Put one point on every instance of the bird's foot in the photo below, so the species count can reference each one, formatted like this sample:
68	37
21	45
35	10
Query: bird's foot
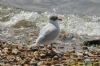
33	47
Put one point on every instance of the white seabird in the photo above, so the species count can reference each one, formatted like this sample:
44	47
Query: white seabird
49	32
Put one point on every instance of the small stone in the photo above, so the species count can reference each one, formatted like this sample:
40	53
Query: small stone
36	55
65	65
40	63
10	58
43	56
63	58
15	51
49	59
50	54
57	65
55	58
7	64
32	60
34	49
60	54
16	65
63	35
20	47
25	65
5	50
48	63
1	53
34	64
18	59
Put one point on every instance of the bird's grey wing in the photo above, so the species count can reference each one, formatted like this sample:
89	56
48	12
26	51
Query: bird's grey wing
46	29
47	33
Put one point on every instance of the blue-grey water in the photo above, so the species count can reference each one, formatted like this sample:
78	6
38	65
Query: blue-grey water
90	7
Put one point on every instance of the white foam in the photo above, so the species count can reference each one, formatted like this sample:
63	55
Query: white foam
31	16
71	23
75	24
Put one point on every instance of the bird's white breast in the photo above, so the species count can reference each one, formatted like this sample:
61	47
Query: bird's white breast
48	33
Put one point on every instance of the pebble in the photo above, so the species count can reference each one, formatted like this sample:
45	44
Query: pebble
55	58
10	58
40	63
5	50
17	55
15	51
25	65
34	64
43	56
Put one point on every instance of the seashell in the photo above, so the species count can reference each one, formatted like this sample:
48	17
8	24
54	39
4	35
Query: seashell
15	51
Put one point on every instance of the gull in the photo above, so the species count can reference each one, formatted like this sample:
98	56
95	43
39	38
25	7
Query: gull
49	32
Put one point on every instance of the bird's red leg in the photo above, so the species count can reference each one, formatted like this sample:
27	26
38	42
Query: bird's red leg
46	46
51	46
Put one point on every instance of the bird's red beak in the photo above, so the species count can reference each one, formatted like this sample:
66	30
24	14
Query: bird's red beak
60	19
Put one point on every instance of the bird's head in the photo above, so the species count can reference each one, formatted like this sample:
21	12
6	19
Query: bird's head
55	18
